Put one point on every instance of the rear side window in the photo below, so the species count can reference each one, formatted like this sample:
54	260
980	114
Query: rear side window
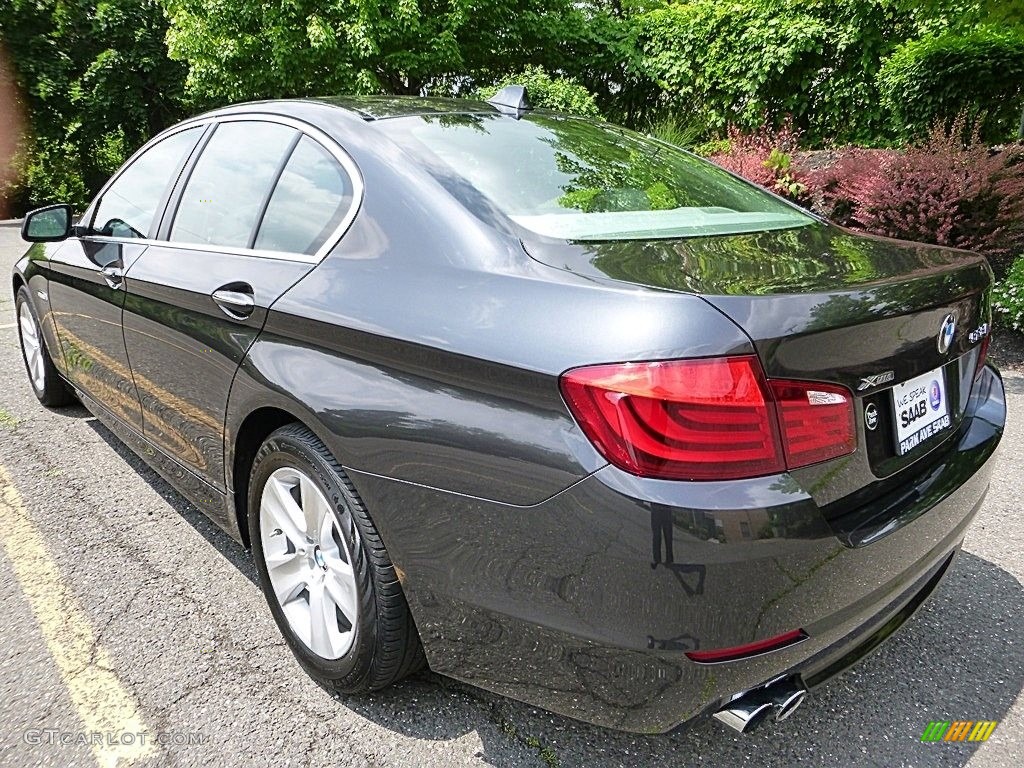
309	202
225	194
129	205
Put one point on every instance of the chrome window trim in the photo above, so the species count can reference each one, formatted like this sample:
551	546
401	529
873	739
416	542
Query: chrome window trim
314	258
91	211
330	145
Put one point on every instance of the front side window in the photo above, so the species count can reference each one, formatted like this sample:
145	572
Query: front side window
128	206
575	180
309	202
225	194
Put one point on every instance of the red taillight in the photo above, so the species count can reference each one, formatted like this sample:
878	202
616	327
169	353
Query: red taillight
748	650
679	419
707	419
816	420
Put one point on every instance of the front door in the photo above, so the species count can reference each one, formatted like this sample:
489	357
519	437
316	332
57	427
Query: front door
87	275
247	223
86	296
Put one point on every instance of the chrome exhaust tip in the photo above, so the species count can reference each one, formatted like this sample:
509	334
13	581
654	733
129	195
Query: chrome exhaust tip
744	716
746	711
786	700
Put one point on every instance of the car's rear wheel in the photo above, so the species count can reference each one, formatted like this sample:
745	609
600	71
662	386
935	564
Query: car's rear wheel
46	383
322	565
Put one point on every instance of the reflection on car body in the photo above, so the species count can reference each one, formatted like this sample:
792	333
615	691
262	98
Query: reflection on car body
557	409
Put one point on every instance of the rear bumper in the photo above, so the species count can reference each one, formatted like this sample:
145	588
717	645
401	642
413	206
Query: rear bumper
575	605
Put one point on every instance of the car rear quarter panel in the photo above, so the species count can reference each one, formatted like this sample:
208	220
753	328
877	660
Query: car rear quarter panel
448	378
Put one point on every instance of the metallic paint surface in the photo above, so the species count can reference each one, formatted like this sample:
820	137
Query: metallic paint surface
87	319
184	350
558	604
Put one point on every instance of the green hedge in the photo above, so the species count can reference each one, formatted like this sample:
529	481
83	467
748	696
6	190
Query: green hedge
734	63
980	73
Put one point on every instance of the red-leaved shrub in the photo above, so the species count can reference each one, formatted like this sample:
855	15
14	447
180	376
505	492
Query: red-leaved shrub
950	190
836	181
766	158
947	191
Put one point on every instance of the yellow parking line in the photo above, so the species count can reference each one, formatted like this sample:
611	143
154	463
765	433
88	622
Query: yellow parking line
103	704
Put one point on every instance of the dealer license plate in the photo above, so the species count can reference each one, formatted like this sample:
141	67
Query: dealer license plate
921	409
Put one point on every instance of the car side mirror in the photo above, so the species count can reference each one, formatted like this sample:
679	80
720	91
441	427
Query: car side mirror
47	225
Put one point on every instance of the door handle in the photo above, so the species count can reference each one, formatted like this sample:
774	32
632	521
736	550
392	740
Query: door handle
113	276
236	301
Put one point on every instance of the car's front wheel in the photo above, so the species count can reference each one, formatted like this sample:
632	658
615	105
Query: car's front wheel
46	383
322	565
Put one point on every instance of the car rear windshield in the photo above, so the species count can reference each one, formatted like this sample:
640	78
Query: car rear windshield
572	179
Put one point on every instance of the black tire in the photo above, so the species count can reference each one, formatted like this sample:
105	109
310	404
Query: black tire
54	391
386	646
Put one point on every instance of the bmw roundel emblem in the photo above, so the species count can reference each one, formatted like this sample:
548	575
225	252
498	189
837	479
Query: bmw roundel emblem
946	333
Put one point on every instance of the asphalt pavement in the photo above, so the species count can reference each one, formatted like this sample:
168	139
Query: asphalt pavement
134	634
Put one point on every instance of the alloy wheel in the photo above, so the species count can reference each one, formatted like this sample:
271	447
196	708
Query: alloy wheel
32	347
308	562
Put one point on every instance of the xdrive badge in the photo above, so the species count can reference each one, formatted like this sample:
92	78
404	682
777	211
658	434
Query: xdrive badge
873	381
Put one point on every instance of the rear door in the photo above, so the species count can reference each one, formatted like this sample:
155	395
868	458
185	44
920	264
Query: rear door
254	212
86	274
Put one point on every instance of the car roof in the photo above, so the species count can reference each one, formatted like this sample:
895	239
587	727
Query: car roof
384	107
366	109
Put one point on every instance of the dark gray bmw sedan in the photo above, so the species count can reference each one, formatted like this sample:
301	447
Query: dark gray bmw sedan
560	410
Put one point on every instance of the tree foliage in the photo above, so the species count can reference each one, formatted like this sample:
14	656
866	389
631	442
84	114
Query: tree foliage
238	50
101	76
561	94
97	82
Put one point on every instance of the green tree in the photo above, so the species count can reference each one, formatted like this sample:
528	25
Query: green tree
237	49
557	93
97	83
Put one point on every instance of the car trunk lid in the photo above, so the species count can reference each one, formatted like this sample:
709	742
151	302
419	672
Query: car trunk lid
822	304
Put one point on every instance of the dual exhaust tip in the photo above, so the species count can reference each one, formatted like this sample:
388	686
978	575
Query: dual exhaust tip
746	711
